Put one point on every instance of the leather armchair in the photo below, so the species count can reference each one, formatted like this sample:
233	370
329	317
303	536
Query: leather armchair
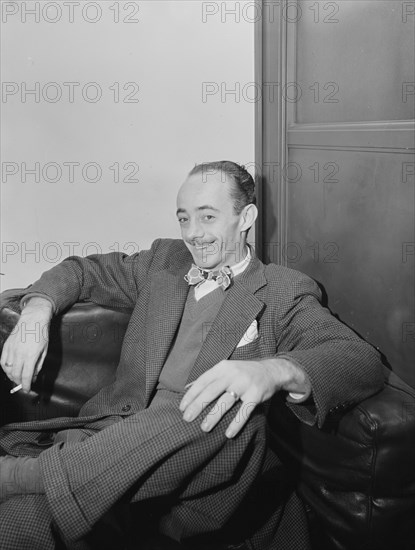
356	475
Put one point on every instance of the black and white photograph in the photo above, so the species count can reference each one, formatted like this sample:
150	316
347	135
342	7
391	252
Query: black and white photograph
207	307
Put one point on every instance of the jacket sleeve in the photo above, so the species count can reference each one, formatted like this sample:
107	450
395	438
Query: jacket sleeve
343	369
112	280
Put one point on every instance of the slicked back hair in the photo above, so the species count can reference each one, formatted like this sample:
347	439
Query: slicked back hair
243	188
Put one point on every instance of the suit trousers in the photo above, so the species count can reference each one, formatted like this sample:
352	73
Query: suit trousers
102	478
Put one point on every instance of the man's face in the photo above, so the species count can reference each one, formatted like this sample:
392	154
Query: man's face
210	228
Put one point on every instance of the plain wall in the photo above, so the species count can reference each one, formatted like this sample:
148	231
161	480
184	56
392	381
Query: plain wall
169	53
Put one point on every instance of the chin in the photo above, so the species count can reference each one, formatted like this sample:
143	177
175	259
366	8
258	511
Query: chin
203	258
206	263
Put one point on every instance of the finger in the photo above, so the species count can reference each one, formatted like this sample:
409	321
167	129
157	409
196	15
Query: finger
27	376
195	388
241	418
7	366
222	406
205	397
8	372
192	391
6	357
15	373
3	357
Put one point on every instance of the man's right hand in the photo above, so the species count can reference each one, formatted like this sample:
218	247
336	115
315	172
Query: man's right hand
25	349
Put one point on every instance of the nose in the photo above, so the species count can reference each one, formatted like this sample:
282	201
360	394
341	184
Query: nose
194	230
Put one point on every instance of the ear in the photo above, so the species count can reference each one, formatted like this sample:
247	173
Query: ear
248	216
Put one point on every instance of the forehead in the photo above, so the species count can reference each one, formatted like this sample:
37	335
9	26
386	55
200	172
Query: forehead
202	189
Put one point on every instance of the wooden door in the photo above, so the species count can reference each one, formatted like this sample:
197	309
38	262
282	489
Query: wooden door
337	157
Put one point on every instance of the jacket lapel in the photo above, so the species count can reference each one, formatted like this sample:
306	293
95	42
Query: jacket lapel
239	309
168	296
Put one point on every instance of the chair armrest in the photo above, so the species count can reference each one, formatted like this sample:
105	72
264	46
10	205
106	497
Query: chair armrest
357	473
83	353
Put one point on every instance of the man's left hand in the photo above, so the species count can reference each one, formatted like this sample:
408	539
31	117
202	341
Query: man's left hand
252	382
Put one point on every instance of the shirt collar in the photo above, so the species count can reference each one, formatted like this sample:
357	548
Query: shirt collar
238	268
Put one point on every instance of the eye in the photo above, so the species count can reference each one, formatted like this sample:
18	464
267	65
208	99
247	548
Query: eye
182	220
208	217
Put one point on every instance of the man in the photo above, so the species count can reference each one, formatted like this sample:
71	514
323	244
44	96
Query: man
184	423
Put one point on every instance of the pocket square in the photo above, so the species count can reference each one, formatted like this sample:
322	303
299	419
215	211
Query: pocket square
250	335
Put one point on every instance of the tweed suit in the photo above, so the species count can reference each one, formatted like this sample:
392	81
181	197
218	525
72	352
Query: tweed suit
145	453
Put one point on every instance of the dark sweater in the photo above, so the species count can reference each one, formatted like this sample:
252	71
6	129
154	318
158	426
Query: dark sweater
197	319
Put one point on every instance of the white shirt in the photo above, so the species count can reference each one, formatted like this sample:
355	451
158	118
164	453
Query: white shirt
205	287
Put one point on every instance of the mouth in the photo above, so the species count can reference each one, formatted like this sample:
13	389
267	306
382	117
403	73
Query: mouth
200	246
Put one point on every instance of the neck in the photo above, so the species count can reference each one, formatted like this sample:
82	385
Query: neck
238	258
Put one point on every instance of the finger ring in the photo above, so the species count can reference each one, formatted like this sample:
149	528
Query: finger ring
8	365
234	394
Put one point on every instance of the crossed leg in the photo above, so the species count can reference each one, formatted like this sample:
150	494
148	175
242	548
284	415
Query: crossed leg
150	454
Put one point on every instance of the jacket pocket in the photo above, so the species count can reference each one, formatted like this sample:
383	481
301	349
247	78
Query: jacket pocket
249	351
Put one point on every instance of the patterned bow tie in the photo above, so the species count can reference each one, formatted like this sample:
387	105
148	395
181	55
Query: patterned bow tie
197	275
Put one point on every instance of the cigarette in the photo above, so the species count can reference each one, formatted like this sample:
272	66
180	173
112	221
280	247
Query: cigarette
16	388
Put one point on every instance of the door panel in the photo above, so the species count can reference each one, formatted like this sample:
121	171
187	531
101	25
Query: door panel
341	206
352	60
347	227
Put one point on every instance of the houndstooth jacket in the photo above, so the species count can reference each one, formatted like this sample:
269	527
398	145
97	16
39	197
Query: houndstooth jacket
151	453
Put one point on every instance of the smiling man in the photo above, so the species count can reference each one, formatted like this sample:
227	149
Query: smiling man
214	334
215	215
